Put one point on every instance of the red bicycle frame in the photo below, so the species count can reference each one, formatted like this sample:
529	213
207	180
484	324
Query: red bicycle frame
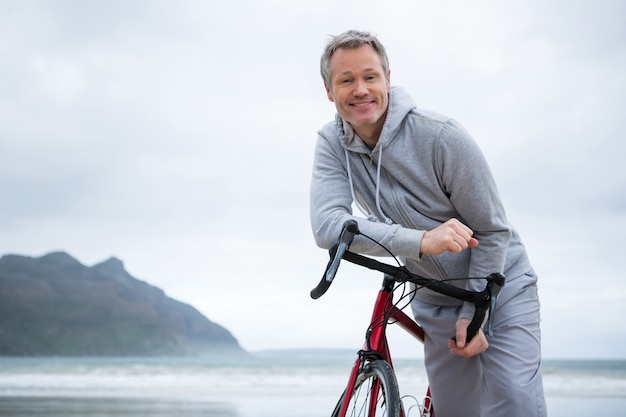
376	342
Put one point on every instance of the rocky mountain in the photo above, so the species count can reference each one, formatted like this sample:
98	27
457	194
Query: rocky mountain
54	305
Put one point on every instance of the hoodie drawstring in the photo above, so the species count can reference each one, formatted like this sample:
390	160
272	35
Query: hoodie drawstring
370	217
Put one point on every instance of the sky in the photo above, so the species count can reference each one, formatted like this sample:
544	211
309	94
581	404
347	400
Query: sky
178	136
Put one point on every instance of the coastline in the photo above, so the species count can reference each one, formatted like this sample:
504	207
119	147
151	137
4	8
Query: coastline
272	384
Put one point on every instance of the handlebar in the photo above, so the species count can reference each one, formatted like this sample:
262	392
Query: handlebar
484	301
337	251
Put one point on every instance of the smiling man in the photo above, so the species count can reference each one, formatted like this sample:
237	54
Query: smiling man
427	194
360	88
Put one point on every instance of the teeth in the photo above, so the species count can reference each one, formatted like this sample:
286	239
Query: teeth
360	104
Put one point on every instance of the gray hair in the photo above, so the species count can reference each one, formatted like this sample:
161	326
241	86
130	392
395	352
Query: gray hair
351	39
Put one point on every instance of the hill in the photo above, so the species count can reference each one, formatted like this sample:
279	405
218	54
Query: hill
54	305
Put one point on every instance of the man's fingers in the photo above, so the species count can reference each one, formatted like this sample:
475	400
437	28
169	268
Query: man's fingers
462	235
461	332
451	236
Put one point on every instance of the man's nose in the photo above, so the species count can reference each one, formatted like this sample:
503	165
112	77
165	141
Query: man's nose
360	89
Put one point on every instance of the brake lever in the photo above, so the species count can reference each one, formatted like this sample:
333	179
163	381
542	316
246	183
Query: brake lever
492	309
496	283
350	228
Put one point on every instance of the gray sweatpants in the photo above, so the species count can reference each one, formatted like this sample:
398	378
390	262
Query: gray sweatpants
505	380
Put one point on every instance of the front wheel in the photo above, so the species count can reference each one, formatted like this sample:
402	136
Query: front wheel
375	393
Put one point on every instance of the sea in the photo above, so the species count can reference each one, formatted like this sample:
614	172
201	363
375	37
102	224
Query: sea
265	384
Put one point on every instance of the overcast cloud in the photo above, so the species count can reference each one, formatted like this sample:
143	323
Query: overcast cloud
178	137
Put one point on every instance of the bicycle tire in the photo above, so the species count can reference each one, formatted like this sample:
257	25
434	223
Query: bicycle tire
379	374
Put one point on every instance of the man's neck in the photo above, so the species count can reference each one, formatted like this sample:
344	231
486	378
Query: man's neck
371	133
368	135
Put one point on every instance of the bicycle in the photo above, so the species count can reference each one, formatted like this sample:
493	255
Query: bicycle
372	389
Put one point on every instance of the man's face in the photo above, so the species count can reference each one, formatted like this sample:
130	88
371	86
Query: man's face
359	88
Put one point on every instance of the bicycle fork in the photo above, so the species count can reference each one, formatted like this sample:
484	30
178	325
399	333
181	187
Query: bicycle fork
375	347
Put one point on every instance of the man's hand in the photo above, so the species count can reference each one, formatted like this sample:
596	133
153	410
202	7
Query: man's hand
476	346
451	236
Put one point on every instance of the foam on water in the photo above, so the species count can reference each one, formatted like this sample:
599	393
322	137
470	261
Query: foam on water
269	386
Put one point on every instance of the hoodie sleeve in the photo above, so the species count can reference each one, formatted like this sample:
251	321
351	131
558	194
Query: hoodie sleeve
331	206
472	190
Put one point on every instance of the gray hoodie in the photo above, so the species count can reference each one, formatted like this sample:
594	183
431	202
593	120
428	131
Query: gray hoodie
424	170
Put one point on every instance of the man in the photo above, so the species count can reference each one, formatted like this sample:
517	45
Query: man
428	195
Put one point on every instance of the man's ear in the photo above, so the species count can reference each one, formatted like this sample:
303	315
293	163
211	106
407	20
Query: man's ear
329	93
389	81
